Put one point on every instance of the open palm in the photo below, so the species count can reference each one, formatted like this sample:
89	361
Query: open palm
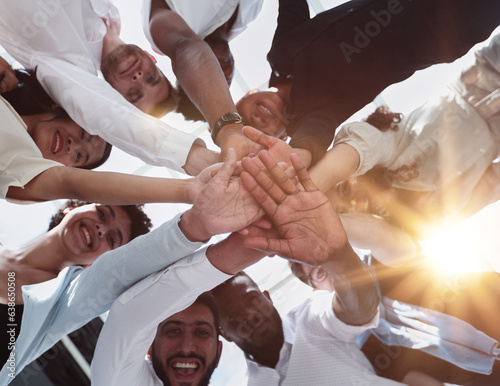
309	229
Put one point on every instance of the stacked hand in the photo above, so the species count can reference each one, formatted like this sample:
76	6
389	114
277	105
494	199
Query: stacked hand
223	205
309	229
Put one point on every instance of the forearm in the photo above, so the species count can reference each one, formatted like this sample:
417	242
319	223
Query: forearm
199	158
194	64
356	299
388	244
102	187
231	257
338	164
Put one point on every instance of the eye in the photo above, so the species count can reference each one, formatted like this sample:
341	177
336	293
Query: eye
202	333
82	133
172	331
111	241
151	78
78	157
101	214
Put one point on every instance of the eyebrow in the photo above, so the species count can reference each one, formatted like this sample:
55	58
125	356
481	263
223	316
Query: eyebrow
196	323
113	214
87	156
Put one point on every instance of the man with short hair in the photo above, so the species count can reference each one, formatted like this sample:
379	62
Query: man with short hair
119	354
186	347
68	42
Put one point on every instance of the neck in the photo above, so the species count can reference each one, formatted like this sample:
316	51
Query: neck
268	358
32	120
110	42
45	255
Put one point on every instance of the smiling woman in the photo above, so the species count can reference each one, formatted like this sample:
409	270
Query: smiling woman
78	235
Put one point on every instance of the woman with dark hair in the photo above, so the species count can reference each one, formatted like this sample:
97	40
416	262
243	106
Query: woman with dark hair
37	149
24	93
79	233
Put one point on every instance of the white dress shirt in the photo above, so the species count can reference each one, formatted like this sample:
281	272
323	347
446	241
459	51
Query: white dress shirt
63	41
319	350
205	16
130	329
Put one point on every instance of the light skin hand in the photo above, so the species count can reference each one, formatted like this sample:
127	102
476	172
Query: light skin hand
222	206
8	79
309	229
231	137
279	150
231	256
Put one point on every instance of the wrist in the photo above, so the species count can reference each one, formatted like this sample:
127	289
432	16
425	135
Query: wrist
219	134
191	227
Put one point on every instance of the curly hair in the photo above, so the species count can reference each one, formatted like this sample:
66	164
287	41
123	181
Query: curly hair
141	223
384	119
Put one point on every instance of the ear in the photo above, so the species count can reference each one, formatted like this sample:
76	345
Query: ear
226	337
218	353
150	353
151	56
266	294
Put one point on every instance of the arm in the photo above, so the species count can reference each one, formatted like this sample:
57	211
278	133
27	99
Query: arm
96	106
388	244
310	232
120	351
199	73
338	164
104	187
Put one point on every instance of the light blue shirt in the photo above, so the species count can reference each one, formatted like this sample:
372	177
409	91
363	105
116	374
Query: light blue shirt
57	307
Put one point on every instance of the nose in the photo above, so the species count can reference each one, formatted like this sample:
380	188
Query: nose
75	144
101	230
187	344
137	76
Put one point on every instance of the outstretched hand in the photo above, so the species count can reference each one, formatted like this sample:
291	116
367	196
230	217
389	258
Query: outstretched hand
222	206
8	79
279	150
309	229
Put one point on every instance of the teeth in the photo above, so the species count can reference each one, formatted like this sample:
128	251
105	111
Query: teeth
58	142
266	110
179	365
86	234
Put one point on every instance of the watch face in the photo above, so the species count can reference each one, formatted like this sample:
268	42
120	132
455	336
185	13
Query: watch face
231	117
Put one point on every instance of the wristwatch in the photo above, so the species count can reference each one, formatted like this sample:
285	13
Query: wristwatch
226	119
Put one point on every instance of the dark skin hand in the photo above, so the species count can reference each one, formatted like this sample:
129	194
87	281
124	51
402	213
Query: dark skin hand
310	231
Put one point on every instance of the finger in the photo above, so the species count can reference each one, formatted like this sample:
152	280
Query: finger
265	181
302	173
258	194
226	171
268	245
259	137
263	223
278	174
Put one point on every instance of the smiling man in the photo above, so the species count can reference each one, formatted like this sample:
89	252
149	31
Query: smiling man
187	349
69	42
